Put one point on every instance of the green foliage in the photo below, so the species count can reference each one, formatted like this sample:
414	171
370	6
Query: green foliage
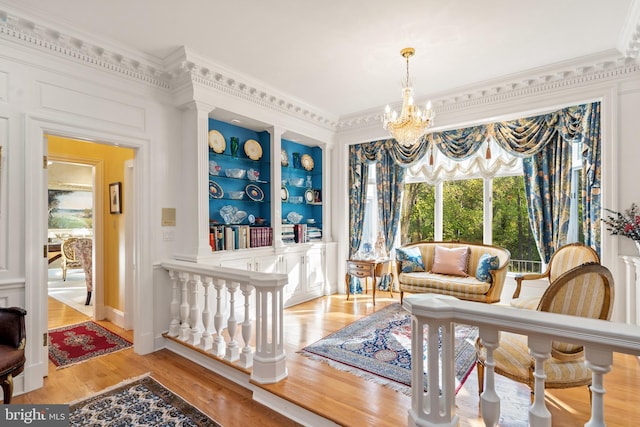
463	214
511	228
462	210
416	220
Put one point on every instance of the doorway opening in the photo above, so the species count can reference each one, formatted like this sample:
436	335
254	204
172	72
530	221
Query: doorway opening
70	232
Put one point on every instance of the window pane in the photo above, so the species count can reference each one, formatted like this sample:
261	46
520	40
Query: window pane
416	220
462	216
511	229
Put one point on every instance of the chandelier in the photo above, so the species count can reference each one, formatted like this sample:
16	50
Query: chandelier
413	122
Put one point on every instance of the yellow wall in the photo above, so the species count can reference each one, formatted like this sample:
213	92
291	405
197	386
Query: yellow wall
113	159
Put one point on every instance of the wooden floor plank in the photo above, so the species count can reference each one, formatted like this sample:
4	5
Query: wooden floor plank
343	397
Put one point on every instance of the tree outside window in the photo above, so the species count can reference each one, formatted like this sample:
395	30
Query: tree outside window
417	215
462	213
510	227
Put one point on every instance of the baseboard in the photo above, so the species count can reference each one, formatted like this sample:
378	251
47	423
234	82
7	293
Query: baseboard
114	316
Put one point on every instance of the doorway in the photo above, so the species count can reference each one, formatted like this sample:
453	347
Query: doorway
70	219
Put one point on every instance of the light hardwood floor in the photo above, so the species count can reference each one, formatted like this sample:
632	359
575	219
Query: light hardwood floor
344	398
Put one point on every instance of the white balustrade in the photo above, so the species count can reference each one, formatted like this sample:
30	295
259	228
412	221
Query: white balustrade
192	286
436	406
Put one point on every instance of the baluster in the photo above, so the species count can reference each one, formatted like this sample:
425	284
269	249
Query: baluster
184	308
207	341
174	326
540	349
489	399
246	356
218	341
194	318
232	348
599	361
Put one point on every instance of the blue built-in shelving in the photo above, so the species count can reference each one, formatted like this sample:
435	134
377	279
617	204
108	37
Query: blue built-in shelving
296	173
258	208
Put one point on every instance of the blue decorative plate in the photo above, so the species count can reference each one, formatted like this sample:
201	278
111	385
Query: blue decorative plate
215	191
254	192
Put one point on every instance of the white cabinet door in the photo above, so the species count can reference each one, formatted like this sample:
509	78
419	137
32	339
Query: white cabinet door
315	272
267	264
292	265
242	263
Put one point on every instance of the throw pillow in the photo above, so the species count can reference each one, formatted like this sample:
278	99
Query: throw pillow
486	263
410	259
451	261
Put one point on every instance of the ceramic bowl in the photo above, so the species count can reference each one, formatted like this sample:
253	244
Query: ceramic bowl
296	182
236	195
235	173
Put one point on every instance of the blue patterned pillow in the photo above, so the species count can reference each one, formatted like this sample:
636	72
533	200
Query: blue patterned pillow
410	259
486	263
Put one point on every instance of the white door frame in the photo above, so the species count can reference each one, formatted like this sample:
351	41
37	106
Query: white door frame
35	230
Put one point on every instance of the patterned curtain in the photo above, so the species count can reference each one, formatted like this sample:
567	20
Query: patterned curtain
591	175
406	156
525	137
390	184
459	144
358	174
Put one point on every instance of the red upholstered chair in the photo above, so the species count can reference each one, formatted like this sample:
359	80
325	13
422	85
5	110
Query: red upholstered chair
12	343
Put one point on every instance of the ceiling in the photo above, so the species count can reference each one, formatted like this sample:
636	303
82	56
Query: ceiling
342	57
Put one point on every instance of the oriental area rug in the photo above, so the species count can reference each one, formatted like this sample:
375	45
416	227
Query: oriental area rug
139	402
378	348
69	345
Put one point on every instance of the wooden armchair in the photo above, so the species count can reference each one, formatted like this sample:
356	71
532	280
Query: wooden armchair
585	291
12	343
562	260
69	259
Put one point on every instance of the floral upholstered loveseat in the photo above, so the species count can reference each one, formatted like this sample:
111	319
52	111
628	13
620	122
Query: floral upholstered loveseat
468	271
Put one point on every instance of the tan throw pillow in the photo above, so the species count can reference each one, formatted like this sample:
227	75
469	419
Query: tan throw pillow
451	261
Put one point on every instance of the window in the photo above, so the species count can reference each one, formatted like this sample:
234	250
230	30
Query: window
370	221
510	225
417	216
462	213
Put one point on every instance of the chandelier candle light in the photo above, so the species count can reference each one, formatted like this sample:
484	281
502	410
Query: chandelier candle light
413	122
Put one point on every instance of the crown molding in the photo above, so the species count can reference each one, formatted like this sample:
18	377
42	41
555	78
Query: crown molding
629	39
186	67
180	69
605	67
30	34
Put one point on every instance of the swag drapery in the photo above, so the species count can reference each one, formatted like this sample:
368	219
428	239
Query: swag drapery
542	141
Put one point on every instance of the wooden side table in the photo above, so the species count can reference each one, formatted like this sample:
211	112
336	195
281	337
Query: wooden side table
365	269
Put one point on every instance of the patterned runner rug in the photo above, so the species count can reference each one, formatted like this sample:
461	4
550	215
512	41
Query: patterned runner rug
378	348
139	402
69	345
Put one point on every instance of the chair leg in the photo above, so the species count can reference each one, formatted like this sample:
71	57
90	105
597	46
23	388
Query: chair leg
480	367
7	389
88	301
64	273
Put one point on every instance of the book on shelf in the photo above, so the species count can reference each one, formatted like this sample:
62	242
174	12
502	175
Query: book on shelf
301	233
232	237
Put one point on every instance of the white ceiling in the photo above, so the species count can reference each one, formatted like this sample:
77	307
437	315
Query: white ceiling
342	57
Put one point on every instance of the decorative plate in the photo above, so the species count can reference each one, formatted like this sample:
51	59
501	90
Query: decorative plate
253	149
254	192
217	142
308	196
307	162
215	191
284	194
284	161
